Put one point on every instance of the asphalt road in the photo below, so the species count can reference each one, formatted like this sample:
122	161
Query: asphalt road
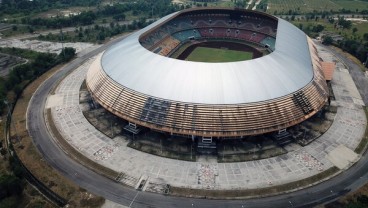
358	76
351	179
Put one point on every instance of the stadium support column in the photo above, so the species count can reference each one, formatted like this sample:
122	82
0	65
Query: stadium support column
191	147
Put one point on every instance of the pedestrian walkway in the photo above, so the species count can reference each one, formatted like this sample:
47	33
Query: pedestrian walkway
346	131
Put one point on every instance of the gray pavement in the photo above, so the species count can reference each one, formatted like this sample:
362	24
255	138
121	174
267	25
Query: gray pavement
347	130
360	80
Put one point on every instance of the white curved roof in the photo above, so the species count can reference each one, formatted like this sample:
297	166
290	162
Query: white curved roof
282	72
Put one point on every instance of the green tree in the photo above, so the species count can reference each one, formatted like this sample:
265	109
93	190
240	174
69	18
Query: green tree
317	29
17	89
363	199
119	17
327	40
365	36
9	202
30	29
345	24
10	185
67	54
300	26
355	30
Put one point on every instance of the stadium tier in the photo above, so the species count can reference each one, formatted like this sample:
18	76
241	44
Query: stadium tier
137	80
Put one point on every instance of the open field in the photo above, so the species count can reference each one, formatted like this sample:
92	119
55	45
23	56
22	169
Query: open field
352	4
204	54
301	6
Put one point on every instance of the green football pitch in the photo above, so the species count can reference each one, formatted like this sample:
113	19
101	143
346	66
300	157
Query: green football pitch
204	54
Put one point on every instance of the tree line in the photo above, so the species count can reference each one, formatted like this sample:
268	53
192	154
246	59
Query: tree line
351	41
95	33
11	185
356	46
84	18
142	8
27	7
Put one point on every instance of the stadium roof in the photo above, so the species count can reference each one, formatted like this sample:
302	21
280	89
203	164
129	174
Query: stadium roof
287	69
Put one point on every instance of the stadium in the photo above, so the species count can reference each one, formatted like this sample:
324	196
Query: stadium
211	73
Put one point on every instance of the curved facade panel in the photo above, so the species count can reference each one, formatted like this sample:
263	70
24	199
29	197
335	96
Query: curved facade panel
265	94
136	67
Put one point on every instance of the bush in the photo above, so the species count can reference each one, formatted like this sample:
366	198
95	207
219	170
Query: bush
10	185
66	54
327	40
92	202
9	202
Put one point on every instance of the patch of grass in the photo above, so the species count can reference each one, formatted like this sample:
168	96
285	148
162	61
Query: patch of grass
4	164
351	57
364	141
174	150
24	53
352	4
204	54
92	201
247	193
361	26
20	30
250	156
221	4
283	6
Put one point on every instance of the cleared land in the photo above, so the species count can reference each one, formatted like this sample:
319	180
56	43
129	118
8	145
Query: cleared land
204	54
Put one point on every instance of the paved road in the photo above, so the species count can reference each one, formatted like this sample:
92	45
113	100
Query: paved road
326	191
358	76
